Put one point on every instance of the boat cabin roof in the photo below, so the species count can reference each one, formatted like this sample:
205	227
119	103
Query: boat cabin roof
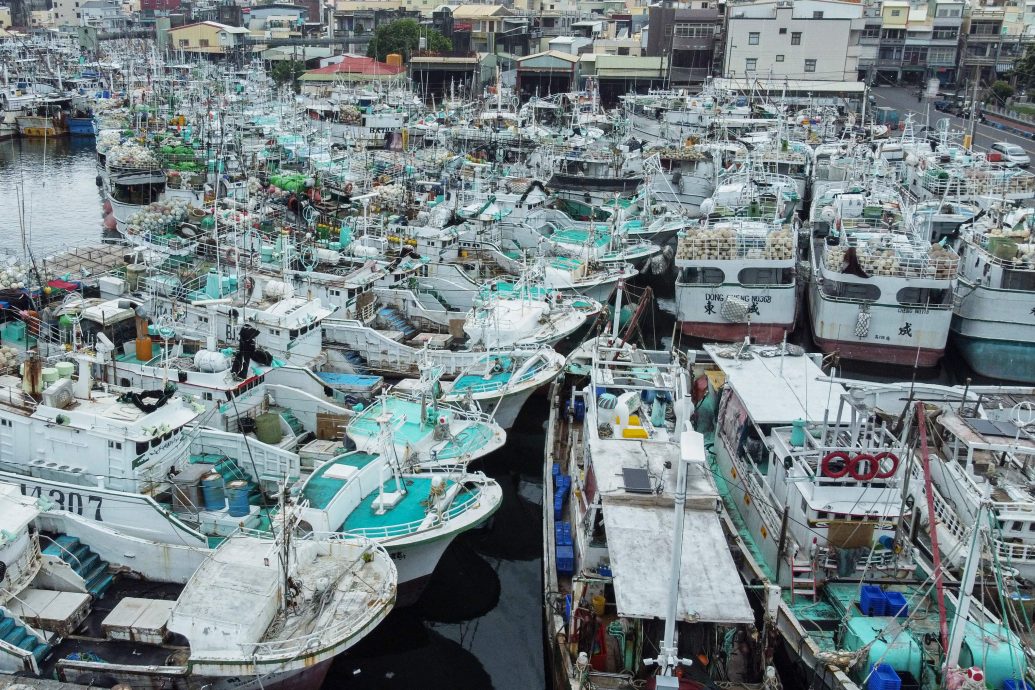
776	389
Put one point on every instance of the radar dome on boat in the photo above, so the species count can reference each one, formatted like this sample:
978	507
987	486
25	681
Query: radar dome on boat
707	206
911	160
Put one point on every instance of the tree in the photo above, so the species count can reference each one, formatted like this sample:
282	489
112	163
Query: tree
288	72
1024	67
999	92
403	36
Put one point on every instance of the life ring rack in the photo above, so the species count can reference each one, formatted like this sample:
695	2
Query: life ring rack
863	467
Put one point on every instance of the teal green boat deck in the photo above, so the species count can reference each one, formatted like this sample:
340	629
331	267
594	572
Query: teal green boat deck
481	384
320	489
412	430
406	517
131	356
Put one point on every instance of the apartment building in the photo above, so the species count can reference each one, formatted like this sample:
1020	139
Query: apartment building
914	41
993	37
689	36
806	39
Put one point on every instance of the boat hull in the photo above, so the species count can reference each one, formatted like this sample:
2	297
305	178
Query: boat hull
80	126
1010	360
298	679
761	333
898	355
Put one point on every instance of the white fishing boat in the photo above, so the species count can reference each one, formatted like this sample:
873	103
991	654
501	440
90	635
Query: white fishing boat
636	556
993	325
879	291
811	476
737	277
171	614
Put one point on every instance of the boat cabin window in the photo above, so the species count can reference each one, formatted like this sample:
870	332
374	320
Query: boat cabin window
861	292
914	296
766	276
702	276
1018	280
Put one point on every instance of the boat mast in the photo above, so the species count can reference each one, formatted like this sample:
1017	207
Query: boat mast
970	571
932	522
691	451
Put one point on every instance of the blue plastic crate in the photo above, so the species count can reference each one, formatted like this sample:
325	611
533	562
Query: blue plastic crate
604	570
1011	684
565	560
555	471
896	605
558	508
884	677
873	601
562	533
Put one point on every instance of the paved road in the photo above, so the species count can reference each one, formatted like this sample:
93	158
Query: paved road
904	99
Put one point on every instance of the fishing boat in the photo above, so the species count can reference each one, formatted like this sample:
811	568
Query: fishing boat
386	493
879	290
993	325
171	614
628	490
737	277
498	384
812	477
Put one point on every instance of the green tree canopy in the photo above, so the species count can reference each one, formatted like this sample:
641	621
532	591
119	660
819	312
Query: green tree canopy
999	92
1024	67
288	72
403	36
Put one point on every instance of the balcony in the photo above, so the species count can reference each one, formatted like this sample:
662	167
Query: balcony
983	38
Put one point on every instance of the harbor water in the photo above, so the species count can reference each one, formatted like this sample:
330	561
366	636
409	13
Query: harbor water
50	194
479	624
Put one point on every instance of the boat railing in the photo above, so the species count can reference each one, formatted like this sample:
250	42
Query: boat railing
405	528
1012	264
909	260
969	181
1010	553
721	243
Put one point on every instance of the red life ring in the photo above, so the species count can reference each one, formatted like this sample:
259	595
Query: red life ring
873	467
828	470
881	474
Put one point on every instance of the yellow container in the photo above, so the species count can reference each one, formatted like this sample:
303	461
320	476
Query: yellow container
599	603
394	59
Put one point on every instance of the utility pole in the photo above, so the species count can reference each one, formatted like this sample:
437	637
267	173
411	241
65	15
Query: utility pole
968	143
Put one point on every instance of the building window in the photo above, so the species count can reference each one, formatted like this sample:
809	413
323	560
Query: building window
783	30
817	15
753	38
945	34
779	58
871	31
893	34
687	30
750	64
941	56
896	13
203	43
810	65
184	43
795	38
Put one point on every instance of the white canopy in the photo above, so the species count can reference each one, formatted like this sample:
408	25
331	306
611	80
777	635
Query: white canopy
639	540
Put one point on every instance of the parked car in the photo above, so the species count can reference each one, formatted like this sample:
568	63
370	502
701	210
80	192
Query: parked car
943	105
1011	153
